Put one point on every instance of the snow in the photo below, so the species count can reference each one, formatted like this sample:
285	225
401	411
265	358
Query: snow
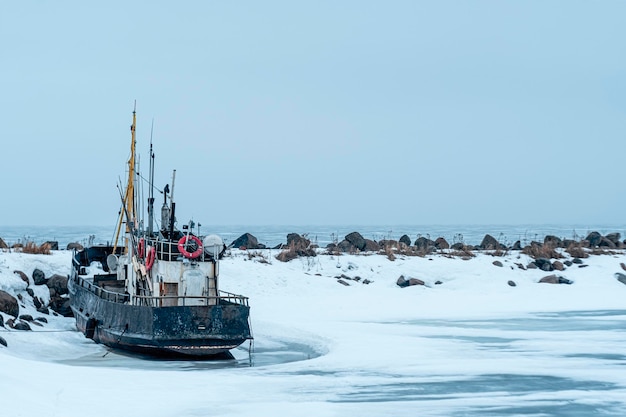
472	345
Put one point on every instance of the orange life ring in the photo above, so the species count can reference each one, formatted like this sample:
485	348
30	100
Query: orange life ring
150	256
181	247
140	248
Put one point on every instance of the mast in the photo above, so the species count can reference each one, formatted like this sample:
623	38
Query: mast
128	203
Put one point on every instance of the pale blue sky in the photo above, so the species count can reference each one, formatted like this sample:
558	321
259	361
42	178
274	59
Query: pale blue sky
327	112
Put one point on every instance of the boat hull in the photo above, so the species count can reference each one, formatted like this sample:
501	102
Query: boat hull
195	331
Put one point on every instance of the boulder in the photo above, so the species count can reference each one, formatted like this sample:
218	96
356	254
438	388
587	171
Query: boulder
615	238
74	246
1	320
406	240
58	283
39	278
41	319
577	261
555	279
415	281
345	246
26	317
23	276
297	242
402	282
286	255
424	244
2	341
457	246
497	263
512	284
553	241
623	265
441	243
371	246
517	245
61	305
490	242
558	266
9	304
3	245
356	240
620	277
246	241
544	264
21	325
606	243
594	239
52	244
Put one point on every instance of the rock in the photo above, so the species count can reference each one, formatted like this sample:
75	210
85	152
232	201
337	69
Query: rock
497	263
568	263
23	276
594	239
438	282
441	243
246	241
8	304
583	266
52	244
552	241
30	292
41	319
558	266
415	281
2	341
58	283
26	317
555	279
544	264
402	282
22	325
345	246
371	246
74	246
43	310
424	244
61	305
342	282
11	323
490	242
615	238
577	261
367	281
286	255
1	320
296	241
356	240
406	240
620	277
37	302
3	245
623	265
39	278
606	243
517	246
457	246
512	284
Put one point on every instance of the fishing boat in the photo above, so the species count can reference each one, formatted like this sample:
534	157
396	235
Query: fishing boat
157	291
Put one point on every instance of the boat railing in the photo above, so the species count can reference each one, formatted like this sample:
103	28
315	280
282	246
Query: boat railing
182	300
163	301
100	292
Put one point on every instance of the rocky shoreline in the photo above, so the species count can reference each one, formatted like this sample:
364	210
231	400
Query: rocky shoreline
48	295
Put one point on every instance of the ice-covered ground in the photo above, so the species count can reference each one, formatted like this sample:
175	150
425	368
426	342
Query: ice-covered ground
472	345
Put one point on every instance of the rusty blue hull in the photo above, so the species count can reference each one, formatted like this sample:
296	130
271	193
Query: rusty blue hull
197	331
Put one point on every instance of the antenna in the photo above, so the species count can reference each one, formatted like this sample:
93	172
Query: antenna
151	182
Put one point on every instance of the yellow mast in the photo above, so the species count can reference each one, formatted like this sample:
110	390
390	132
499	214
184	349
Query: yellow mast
129	197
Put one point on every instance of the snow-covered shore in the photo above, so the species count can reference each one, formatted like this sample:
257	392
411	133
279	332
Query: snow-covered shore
370	342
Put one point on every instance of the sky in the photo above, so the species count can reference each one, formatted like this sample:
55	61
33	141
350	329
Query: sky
277	112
